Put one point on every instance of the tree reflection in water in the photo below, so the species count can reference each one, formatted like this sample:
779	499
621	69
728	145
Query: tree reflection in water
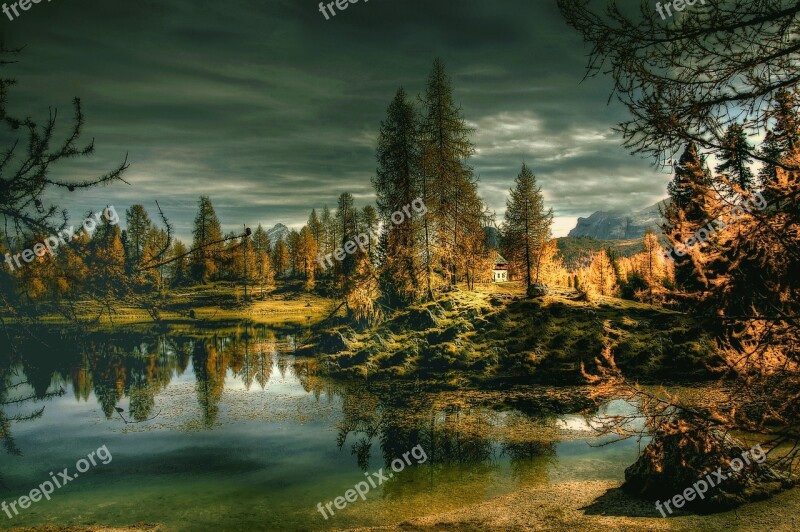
471	429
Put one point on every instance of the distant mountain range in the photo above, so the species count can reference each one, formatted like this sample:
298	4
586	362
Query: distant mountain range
620	225
602	225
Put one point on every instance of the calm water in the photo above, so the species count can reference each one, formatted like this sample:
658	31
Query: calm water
227	430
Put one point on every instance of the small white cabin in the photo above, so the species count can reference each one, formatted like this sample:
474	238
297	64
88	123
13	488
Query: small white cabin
500	269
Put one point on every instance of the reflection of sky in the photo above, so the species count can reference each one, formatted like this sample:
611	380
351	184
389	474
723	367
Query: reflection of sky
272	455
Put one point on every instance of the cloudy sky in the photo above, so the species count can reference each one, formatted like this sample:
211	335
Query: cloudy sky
272	110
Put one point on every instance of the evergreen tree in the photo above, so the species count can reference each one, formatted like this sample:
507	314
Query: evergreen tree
262	249
347	222
280	257
527	225
227	257
107	261
786	118
771	151
315	226
368	223
137	231
261	240
156	242
331	233
179	268
735	158
246	263
207	248
693	206
397	184
782	141
293	247
448	185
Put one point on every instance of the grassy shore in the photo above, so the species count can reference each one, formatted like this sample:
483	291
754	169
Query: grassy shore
218	302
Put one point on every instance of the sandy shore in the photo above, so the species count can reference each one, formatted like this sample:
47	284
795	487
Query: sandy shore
602	506
574	506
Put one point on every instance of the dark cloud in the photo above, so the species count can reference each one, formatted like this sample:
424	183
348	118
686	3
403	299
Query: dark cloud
272	110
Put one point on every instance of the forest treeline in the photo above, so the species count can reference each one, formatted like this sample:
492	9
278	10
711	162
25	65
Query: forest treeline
423	151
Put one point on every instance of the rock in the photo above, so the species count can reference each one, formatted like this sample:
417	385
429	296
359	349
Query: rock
333	342
421	319
538	290
674	461
449	334
378	339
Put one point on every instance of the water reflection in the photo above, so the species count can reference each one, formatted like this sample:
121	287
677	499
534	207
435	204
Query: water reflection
219	418
454	427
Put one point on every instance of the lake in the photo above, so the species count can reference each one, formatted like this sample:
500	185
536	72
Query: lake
223	428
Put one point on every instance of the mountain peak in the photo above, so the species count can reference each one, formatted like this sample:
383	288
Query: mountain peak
277	232
620	224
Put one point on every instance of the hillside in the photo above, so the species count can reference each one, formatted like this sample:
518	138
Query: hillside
577	252
468	336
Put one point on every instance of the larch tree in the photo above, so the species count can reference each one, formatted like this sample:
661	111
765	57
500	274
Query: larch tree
601	274
551	269
689	78
155	240
654	268
449	185
262	249
33	150
308	257
527	227
770	150
107	261
280	258
781	140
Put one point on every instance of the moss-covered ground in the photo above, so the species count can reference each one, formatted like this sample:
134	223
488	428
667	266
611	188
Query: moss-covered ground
499	334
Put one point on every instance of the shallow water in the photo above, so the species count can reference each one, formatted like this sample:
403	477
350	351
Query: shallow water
227	430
